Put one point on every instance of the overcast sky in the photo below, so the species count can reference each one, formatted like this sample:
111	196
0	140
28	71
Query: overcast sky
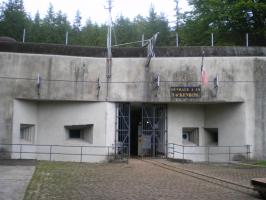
94	9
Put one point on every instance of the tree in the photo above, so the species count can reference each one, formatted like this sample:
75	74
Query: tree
54	26
13	19
179	16
35	31
229	20
93	35
158	23
50	15
125	31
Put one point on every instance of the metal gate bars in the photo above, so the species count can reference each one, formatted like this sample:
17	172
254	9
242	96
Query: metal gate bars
154	130
153	137
122	140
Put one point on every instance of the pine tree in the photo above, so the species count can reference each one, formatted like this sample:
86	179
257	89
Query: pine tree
13	19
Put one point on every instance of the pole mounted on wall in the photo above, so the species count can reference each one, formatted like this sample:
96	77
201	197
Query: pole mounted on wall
109	40
109	47
247	43
177	40
24	35
142	40
66	42
212	40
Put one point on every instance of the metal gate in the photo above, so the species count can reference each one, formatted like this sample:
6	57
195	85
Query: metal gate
122	141
154	130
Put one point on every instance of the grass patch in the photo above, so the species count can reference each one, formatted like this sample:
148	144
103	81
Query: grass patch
261	163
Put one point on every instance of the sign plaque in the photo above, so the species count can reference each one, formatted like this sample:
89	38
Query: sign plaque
185	92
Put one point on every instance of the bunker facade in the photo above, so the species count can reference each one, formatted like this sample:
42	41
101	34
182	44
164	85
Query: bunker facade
162	109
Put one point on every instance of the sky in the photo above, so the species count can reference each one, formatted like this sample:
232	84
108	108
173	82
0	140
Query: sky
95	9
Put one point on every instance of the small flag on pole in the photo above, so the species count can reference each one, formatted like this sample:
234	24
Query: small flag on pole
204	76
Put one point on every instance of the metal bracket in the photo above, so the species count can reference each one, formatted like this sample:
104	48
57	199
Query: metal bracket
98	86
151	48
38	84
216	85
156	82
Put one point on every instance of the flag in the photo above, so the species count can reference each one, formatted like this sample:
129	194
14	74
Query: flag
204	76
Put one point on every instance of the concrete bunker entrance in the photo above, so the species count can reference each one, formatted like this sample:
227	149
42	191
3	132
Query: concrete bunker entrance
142	129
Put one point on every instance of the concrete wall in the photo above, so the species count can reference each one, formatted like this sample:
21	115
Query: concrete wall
68	78
75	78
260	108
180	116
229	119
26	112
50	119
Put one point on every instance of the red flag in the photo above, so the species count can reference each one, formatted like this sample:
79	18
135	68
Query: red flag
204	77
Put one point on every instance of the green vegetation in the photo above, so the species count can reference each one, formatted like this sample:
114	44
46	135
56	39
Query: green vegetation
229	20
261	163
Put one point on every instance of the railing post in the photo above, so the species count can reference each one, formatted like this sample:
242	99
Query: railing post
50	152
229	152
173	150
81	154
248	151
247	42
183	152
142	40
66	41
208	153
108	158
212	40
20	151
177	40
24	35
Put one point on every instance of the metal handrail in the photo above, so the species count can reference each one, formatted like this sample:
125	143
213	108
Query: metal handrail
50	151
172	150
207	145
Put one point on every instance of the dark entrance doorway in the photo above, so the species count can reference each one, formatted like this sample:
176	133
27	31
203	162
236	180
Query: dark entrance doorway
135	128
141	129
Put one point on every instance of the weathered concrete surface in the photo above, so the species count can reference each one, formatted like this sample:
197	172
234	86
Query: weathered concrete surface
75	78
260	107
68	78
14	181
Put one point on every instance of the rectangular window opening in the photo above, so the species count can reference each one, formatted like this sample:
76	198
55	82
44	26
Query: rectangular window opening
190	136
75	134
27	132
80	132
211	136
